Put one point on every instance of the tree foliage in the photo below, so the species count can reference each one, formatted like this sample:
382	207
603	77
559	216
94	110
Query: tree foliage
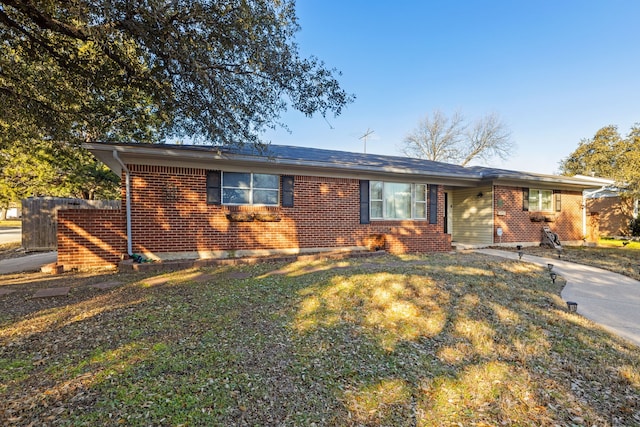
454	140
629	163
218	70
595	156
608	155
55	87
48	168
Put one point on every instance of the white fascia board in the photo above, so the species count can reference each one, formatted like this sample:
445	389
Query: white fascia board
596	179
544	181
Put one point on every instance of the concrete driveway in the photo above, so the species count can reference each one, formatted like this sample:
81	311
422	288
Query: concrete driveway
607	298
10	234
31	262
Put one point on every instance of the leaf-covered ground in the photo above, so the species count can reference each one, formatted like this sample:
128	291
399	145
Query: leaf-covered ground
457	339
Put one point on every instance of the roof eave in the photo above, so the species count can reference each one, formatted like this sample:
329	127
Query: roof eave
557	181
203	158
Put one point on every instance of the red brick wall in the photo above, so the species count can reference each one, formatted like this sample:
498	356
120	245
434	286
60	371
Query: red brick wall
91	237
170	214
517	225
614	215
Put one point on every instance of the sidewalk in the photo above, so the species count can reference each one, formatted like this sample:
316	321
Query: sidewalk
607	298
27	263
10	235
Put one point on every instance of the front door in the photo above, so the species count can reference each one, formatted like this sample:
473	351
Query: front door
448	220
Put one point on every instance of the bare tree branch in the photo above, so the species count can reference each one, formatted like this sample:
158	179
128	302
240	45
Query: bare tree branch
436	137
452	140
46	22
488	137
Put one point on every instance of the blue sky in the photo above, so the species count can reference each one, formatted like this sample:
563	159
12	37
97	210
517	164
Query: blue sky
555	71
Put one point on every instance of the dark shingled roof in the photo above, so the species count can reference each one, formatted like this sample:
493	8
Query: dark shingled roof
314	158
355	160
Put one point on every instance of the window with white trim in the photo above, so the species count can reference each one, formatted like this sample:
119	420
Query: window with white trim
398	200
540	200
243	188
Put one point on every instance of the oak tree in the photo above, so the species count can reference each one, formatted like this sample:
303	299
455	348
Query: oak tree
219	71
49	168
215	71
607	154
595	156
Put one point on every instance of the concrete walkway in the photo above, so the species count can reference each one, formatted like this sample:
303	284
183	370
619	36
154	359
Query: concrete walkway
27	263
10	235
607	298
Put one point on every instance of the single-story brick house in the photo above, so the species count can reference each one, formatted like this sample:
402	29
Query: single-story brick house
609	212
185	202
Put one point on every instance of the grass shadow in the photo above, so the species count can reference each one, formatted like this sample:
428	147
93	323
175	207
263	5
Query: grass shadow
413	340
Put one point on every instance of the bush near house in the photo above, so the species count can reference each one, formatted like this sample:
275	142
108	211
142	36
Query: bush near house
634	226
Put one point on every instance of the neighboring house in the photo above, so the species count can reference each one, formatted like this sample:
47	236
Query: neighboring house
211	202
609	213
13	213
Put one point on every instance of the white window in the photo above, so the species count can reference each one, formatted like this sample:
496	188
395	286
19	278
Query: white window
420	201
540	200
398	200
250	189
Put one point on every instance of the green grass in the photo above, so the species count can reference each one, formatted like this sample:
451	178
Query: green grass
617	243
418	340
13	370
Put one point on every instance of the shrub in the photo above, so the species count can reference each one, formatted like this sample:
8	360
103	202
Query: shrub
634	226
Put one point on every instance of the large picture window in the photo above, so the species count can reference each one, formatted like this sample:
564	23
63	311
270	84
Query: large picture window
250	189
540	200
398	200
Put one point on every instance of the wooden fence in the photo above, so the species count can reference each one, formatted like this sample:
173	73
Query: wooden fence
40	219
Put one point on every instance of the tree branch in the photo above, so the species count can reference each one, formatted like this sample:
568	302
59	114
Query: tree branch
44	21
10	92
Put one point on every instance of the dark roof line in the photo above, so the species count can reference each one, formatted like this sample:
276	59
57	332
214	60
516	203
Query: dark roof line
359	161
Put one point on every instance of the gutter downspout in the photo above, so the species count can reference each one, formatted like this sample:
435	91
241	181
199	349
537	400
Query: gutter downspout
127	176
584	215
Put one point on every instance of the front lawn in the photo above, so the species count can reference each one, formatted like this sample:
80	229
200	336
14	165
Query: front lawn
11	223
619	243
434	340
